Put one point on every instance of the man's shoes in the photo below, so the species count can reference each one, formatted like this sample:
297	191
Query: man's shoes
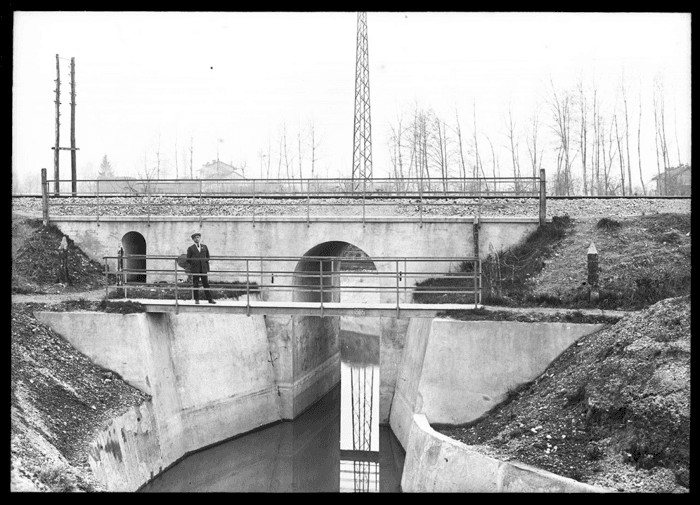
212	301
196	302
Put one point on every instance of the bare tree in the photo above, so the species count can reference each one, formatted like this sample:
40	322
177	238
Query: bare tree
531	136
395	149
475	172
313	144
514	146
283	144
439	147
597	140
177	175
494	168
659	87
623	89
418	144
583	131
301	176
622	161
675	127
608	161
657	142
560	107
639	141
191	155
156	151
458	131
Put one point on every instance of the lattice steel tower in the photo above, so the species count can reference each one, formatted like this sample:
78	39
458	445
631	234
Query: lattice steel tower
362	138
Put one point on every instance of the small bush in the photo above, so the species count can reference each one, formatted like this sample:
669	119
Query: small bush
670	237
608	224
594	452
125	307
80	304
577	397
57	479
645	454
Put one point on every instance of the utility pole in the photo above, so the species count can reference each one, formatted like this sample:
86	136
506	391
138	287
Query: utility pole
72	148
362	137
73	172
56	189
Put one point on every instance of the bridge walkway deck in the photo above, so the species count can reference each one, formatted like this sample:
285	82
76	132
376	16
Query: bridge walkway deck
302	308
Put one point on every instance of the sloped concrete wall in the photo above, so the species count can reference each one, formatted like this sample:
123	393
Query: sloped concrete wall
210	378
113	341
455	371
438	464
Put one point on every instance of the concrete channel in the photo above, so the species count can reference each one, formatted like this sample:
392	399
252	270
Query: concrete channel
212	379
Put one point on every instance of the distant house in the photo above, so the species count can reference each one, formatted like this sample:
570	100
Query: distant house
676	180
220	170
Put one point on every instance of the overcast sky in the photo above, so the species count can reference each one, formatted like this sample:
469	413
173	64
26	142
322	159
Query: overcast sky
232	80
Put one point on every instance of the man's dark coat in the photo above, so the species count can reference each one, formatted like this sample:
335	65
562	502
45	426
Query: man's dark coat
198	260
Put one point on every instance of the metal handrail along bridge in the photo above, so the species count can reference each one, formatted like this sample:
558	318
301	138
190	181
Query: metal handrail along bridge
307	285
250	197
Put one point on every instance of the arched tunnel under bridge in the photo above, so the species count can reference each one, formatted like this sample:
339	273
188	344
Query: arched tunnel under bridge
316	279
134	245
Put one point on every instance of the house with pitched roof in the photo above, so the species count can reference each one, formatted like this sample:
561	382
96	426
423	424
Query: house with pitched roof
676	180
217	169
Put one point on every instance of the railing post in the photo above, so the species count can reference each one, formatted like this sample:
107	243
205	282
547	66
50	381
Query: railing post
247	287
177	296
253	203
200	203
44	198
308	200
106	280
148	200
320	267
398	309
543	197
480	285
420	203
97	210
262	279
476	291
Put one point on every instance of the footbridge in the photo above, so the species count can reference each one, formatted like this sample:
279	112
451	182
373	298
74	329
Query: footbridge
342	282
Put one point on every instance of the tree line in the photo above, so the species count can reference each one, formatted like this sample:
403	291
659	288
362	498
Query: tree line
582	141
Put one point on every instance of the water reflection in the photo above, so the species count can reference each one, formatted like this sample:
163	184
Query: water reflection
303	455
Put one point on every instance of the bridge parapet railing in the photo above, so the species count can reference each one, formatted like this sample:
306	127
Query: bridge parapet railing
321	279
257	197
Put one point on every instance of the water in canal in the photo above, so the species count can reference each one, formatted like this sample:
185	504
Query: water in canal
336	445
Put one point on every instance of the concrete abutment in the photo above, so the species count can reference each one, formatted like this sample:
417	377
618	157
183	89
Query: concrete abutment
212	378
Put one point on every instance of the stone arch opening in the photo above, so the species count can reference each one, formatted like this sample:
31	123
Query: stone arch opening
309	272
134	244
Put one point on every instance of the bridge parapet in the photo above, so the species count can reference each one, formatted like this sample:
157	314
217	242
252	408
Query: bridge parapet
311	197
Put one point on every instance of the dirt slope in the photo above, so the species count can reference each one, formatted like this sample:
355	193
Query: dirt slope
612	410
58	401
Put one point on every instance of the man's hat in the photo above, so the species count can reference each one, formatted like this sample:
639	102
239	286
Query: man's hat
196	234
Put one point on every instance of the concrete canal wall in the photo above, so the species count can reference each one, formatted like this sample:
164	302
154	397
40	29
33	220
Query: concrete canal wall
438	464
211	378
453	372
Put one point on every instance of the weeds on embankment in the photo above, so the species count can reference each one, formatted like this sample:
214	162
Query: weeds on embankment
644	260
219	290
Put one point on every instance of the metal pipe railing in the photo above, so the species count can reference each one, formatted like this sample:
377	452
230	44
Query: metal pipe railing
305	277
163	197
